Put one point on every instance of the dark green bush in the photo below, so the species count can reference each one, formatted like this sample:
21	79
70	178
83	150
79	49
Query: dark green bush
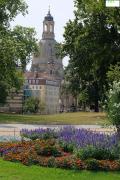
51	162
92	164
96	153
116	151
49	135
48	150
67	147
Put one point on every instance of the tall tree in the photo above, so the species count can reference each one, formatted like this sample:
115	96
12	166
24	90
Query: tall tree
26	44
15	45
92	42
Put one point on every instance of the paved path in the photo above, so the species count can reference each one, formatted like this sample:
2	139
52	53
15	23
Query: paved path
14	129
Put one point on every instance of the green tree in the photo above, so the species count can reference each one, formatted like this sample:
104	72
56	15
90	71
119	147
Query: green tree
26	44
31	105
72	82
92	42
16	45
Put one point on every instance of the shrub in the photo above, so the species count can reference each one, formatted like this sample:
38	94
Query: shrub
96	153
65	162
116	151
31	105
51	162
67	147
114	106
92	164
78	164
48	148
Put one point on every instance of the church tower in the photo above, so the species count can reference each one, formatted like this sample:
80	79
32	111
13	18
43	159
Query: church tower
46	75
48	27
48	63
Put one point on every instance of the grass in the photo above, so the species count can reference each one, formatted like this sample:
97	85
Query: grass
16	171
79	118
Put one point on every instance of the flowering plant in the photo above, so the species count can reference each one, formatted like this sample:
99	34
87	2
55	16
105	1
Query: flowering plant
39	133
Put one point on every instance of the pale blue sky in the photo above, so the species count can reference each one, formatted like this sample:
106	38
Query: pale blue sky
61	10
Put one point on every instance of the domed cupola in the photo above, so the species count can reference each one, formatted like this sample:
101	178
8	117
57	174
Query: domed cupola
48	17
48	27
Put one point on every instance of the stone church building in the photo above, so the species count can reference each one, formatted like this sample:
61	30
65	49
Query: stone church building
44	79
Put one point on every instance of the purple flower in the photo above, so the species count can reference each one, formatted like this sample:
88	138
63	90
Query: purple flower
78	137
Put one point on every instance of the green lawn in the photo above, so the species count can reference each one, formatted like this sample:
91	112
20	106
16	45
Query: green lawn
15	171
82	118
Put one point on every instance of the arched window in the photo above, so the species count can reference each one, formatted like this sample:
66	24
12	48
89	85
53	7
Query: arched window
51	28
46	27
51	72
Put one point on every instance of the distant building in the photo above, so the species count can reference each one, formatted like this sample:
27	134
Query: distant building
14	102
44	79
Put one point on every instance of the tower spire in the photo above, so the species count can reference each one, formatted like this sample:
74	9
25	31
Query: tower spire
49	10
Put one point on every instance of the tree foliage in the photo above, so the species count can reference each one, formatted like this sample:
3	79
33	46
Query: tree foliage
92	42
114	105
83	98
16	45
114	73
9	9
25	44
31	105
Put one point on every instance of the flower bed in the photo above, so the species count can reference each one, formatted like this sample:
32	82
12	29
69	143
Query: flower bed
67	148
32	152
71	138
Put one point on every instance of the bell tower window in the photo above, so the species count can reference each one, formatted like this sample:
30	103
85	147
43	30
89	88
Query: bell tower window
51	72
51	28
46	27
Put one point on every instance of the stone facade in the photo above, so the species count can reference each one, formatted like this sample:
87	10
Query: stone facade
14	102
47	61
46	90
44	79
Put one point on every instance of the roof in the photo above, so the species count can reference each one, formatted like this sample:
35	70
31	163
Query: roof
48	17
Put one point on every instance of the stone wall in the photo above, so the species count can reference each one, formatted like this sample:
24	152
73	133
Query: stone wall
14	103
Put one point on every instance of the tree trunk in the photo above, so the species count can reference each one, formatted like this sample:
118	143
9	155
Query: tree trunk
96	105
76	101
75	97
84	106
